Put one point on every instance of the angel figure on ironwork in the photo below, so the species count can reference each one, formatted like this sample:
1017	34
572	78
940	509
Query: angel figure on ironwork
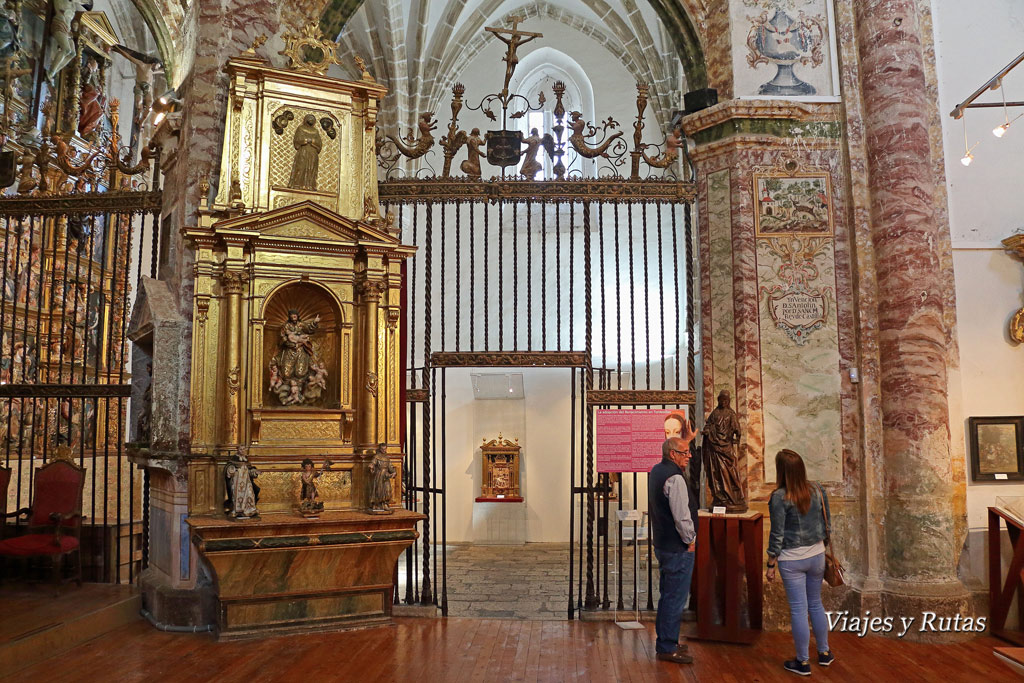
311	502
243	493
471	165
382	471
530	163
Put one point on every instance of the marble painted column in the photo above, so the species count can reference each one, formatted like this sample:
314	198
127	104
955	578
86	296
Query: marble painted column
924	508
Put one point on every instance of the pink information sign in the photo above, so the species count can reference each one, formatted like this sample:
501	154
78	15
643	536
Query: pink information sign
629	440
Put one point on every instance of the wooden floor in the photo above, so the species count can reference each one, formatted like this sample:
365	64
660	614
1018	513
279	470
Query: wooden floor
469	650
28	609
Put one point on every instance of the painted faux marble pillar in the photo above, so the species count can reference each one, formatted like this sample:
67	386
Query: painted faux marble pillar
777	304
924	507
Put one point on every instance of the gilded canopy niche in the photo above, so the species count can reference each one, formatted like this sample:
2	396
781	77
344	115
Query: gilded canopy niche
294	136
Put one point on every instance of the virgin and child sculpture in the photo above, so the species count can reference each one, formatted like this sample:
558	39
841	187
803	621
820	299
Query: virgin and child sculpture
297	373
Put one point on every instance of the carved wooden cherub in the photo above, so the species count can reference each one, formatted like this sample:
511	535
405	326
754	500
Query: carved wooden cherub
311	502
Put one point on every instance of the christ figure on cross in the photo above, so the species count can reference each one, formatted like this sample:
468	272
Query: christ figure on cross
514	39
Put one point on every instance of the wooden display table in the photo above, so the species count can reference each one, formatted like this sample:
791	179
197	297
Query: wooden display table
283	573
728	547
1002	590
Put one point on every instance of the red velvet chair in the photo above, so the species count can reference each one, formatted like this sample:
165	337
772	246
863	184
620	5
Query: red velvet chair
54	520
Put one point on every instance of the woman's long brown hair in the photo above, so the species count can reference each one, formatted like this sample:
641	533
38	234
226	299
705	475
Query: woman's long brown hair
790	474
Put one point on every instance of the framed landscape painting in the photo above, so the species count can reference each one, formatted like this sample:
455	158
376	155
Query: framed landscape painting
997	448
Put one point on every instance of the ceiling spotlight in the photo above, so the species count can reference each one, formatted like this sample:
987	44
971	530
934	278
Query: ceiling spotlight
164	105
967	158
1000	131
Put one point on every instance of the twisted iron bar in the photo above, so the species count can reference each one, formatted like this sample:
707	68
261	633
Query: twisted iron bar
591	599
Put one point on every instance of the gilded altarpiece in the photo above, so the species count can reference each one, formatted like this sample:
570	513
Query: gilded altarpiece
297	303
256	275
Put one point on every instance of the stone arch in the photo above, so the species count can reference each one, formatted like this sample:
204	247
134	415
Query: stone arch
163	27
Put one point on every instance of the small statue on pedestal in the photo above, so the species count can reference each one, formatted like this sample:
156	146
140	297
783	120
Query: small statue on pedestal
243	493
721	438
311	503
381	474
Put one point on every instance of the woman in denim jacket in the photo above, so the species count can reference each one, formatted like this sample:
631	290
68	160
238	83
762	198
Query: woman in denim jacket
797	542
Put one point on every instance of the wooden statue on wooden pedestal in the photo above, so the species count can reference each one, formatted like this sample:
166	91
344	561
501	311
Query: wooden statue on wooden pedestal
721	441
311	503
381	474
243	493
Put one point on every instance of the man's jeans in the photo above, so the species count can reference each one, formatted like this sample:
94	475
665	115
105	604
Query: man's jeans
676	570
802	579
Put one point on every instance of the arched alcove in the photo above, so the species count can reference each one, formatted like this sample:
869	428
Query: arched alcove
539	71
307	300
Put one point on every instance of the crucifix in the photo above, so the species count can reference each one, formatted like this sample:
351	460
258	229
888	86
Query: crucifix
513	39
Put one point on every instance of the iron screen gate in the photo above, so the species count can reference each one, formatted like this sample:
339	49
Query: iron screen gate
596	276
70	268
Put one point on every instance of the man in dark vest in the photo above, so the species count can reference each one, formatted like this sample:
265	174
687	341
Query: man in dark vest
675	539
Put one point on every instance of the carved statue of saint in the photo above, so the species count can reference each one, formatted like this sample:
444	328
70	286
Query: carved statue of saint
381	474
306	165
243	493
91	99
10	38
721	437
311	502
297	375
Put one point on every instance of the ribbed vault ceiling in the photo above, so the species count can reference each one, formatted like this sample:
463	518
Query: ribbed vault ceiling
419	48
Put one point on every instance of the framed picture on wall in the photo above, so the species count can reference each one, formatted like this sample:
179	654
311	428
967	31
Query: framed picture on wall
997	448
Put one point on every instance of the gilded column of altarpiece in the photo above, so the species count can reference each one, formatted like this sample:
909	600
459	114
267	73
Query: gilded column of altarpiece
295	350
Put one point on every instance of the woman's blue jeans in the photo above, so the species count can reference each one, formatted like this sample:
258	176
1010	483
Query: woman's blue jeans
802	579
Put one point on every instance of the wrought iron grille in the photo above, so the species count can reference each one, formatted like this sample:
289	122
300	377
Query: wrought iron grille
70	268
594	276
